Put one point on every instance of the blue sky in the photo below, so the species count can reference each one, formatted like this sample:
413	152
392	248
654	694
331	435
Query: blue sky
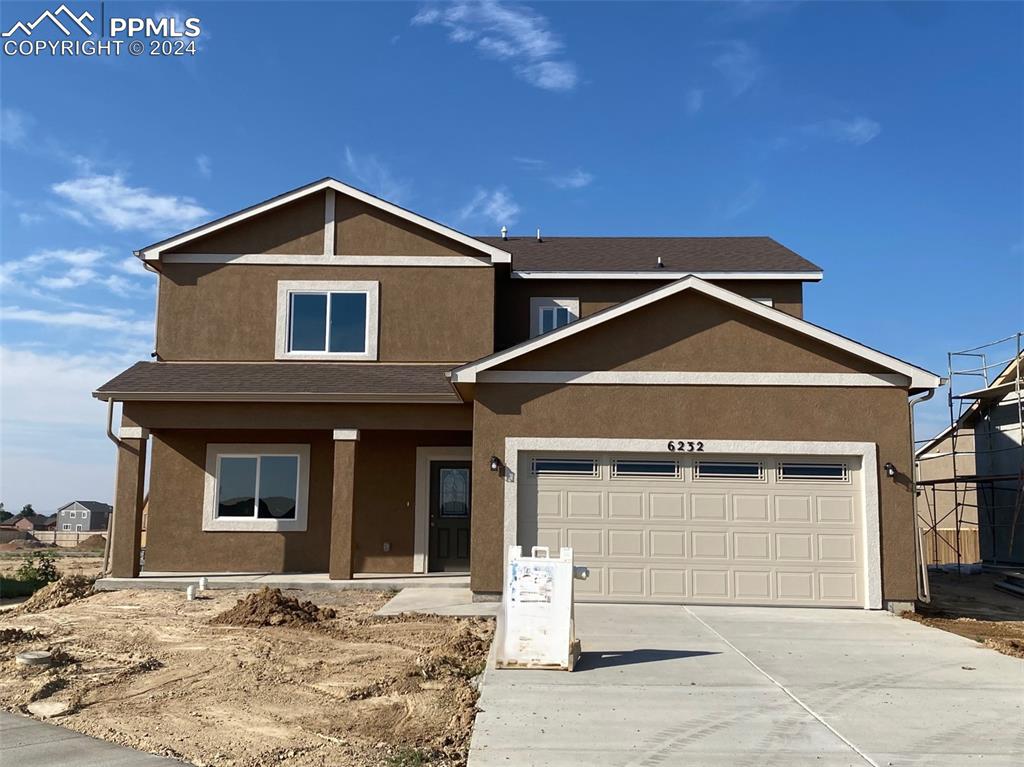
881	141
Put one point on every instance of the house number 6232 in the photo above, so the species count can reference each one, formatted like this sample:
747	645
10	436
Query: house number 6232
685	446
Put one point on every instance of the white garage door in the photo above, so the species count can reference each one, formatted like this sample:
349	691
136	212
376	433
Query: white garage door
717	529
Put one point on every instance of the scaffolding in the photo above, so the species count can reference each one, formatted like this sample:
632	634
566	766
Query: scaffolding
984	490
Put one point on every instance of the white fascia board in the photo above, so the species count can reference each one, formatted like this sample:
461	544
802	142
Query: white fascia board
662	274
153	252
919	377
690	378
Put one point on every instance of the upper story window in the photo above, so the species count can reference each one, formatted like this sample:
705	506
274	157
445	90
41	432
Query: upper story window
546	314
327	320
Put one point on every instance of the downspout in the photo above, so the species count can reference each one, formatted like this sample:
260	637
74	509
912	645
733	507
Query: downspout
110	519
923	591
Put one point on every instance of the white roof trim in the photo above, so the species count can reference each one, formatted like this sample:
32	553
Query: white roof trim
661	274
315	260
153	252
919	377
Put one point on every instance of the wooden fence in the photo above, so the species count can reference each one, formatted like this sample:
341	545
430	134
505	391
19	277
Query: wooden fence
939	550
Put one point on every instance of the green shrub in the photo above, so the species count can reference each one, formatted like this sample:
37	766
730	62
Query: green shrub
11	587
38	568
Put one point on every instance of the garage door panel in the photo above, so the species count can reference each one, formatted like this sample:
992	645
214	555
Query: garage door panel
626	505
776	539
709	507
668	505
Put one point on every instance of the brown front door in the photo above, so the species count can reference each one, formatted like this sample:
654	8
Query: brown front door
449	516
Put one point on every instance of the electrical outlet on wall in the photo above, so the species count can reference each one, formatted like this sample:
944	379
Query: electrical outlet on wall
387	547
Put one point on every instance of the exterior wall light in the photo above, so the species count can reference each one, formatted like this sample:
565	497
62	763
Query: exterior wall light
890	470
497	465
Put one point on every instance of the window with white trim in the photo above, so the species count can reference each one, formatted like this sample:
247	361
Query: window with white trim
256	487
547	314
752	470
564	467
78	528
71	515
65	526
327	320
812	472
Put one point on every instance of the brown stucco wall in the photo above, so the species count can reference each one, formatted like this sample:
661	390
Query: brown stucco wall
175	540
513	298
384	504
385	496
293	229
229	312
690	332
699	412
362	230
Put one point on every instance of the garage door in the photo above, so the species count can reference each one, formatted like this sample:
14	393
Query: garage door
716	529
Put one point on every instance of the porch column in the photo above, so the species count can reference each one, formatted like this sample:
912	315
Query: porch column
126	528
343	503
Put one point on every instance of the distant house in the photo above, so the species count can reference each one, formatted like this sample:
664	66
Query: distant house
83	516
24	524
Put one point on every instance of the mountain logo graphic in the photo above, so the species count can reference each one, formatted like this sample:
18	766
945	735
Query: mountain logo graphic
63	12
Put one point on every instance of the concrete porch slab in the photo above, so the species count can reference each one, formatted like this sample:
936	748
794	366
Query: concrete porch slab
415	599
303	581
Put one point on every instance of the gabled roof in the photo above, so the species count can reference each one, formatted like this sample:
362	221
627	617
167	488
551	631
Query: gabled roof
152	252
655	257
919	377
90	505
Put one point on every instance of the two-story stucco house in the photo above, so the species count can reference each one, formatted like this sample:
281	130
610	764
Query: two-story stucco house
344	386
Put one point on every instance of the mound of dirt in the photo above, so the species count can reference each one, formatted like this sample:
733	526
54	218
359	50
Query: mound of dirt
92	543
62	592
16	635
24	543
269	607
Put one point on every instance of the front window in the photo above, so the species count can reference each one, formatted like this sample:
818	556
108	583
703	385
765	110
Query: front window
256	487
547	314
334	320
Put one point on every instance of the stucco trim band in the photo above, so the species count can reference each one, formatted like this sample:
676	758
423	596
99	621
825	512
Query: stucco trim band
694	378
132	432
346	435
421	531
866	451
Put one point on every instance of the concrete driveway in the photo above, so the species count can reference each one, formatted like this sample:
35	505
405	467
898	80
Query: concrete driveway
661	686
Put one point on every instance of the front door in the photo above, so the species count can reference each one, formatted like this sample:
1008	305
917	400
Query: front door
449	516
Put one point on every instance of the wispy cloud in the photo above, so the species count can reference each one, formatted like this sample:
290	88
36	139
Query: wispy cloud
107	199
495	207
78	319
374	176
513	33
14	125
204	165
739	63
744	201
28	219
856	130
694	100
65	269
530	163
576	179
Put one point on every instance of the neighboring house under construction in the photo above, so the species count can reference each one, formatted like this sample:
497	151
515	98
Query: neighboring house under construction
971	475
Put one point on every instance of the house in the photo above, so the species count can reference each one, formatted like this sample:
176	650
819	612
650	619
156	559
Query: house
19	522
344	386
83	516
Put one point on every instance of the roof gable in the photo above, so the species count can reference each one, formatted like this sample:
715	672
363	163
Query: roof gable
819	338
331	187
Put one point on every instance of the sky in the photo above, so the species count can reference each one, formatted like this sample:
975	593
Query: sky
884	142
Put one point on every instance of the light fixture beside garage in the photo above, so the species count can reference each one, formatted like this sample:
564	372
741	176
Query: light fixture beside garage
497	465
890	470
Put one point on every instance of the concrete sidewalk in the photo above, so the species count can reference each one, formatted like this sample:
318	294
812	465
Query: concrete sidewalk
660	686
304	581
28	742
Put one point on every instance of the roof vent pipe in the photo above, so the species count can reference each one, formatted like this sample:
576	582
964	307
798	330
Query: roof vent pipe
538	235
504	232
661	264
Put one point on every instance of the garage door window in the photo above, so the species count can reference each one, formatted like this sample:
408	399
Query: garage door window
668	469
562	467
813	472
752	470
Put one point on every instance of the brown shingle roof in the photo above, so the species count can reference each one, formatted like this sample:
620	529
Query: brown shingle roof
291	381
631	254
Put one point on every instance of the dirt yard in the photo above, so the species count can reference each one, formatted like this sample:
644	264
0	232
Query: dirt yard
150	670
68	564
970	606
